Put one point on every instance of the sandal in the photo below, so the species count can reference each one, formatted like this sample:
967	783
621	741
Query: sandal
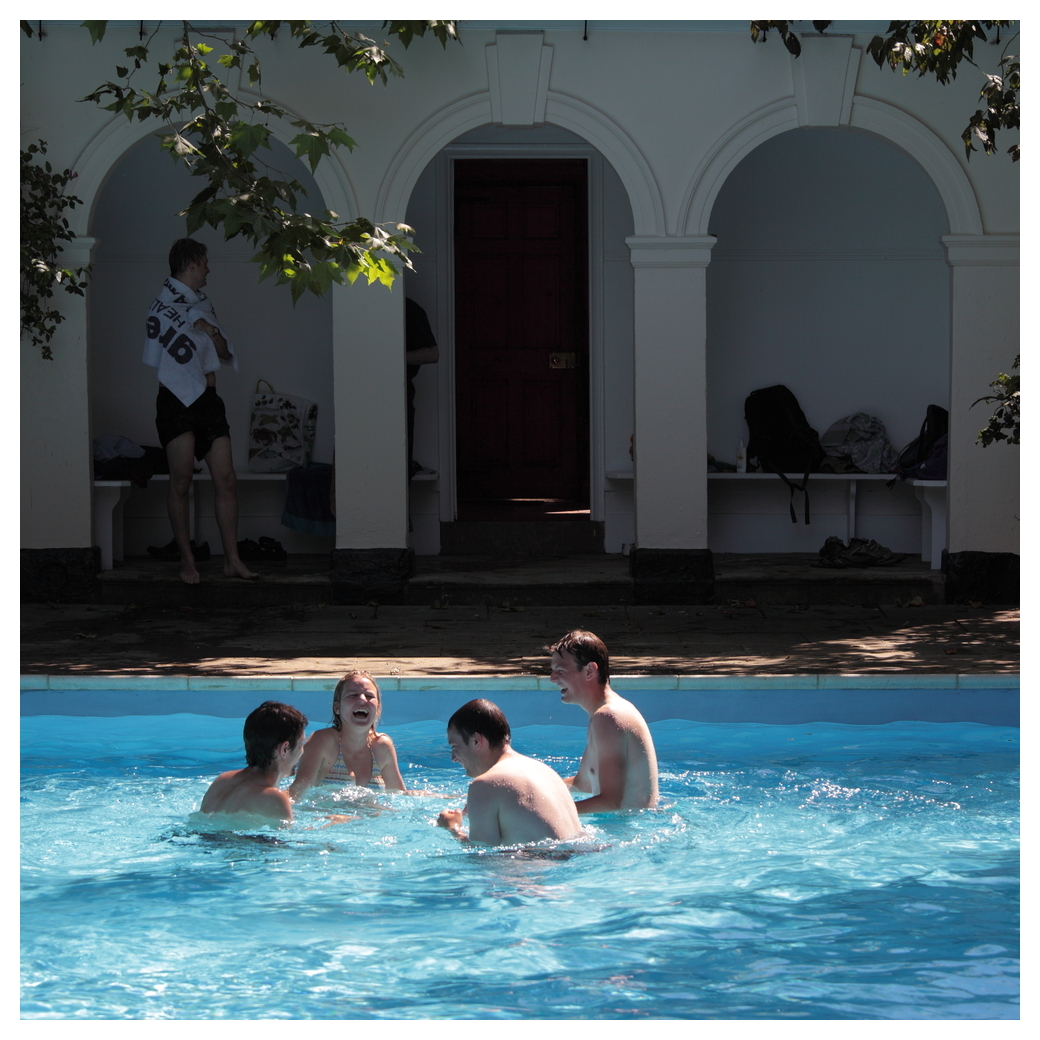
271	550
863	553
831	554
172	554
249	550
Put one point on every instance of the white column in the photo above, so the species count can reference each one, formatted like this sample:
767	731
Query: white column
671	441
57	475
983	484
371	432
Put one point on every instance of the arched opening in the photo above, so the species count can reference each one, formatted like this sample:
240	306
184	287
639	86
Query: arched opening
134	222
607	335
829	277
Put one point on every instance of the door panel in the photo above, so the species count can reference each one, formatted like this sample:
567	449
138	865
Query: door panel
521	297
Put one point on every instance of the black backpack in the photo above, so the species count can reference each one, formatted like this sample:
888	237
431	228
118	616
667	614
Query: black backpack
936	424
782	440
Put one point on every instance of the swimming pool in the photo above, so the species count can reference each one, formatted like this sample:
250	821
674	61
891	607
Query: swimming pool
798	870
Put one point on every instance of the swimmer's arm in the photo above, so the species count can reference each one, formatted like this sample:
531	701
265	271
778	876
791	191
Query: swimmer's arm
274	803
611	762
313	765
581	780
385	755
482	808
451	820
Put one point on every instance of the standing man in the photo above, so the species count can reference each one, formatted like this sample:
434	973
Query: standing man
185	342
619	765
513	800
274	736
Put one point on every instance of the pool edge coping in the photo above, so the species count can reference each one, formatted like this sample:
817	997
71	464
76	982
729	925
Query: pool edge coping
634	682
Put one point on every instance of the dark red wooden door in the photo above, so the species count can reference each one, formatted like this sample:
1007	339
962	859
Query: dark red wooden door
521	336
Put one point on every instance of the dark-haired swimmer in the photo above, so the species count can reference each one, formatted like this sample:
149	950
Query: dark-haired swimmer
619	765
513	800
273	736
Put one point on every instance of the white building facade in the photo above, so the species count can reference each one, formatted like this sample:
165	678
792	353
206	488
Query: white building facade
749	219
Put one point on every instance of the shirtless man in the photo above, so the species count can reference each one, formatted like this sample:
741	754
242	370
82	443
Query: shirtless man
619	765
513	800
274	737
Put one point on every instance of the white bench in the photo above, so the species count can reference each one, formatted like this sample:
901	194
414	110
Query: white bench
110	496
932	496
930	493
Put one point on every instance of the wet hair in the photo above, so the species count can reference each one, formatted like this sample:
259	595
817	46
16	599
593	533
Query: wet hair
585	648
358	673
183	252
483	717
266	727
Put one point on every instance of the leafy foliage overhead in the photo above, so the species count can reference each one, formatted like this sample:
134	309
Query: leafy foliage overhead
937	48
1003	423
44	227
220	135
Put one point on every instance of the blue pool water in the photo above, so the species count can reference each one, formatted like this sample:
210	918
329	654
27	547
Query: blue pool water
811	871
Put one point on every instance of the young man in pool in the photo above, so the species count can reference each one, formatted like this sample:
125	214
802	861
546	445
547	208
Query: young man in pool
619	766
513	800
274	737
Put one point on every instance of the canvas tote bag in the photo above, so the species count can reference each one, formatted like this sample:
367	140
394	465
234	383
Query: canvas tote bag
281	430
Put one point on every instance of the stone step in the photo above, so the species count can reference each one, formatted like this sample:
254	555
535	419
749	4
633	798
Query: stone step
483	581
521	537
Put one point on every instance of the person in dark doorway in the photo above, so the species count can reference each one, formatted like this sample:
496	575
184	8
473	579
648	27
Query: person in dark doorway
619	764
420	349
185	341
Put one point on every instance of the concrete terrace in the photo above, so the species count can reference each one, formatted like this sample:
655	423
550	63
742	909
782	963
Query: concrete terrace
319	641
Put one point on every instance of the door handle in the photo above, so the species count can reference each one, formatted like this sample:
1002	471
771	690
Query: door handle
558	359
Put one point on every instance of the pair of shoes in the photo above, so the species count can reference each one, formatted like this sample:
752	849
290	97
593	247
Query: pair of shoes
265	549
248	550
864	553
860	552
172	554
831	554
271	550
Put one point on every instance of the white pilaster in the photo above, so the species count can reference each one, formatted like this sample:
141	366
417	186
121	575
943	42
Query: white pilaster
983	490
671	497
371	431
57	477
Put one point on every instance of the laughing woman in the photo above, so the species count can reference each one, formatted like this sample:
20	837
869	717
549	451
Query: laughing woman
350	751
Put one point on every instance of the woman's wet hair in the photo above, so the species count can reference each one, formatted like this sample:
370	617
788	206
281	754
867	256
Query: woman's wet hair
269	726
483	717
585	648
353	676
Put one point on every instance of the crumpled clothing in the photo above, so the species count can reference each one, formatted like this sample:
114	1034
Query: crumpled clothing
110	446
864	439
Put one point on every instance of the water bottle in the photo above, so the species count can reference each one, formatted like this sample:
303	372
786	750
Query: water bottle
741	458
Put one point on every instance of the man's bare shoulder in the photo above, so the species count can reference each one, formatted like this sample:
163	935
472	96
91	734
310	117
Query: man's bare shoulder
620	713
237	792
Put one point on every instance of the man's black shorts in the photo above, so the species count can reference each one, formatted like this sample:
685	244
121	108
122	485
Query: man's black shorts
204	417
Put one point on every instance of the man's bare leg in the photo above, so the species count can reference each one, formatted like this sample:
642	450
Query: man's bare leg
180	453
225	505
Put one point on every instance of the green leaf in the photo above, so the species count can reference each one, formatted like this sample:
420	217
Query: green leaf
96	30
247	137
313	146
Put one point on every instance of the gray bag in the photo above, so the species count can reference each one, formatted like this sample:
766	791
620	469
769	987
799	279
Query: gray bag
863	440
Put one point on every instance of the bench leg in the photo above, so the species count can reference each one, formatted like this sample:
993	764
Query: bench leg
933	523
108	522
